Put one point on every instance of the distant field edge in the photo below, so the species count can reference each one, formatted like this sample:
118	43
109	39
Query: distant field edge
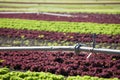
42	12
98	11
92	2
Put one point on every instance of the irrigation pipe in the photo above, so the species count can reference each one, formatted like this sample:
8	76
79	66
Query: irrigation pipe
62	48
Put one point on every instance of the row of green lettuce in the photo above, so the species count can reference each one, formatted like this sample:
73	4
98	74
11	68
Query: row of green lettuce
6	74
78	27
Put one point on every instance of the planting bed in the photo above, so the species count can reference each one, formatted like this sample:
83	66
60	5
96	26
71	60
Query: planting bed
6	74
82	27
58	36
75	17
65	63
12	37
15	41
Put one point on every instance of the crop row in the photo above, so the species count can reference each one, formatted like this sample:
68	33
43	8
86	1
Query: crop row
6	74
15	41
64	63
82	27
58	36
78	17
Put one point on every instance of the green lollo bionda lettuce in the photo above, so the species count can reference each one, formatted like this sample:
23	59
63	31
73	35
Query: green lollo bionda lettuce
17	75
77	27
89	78
4	70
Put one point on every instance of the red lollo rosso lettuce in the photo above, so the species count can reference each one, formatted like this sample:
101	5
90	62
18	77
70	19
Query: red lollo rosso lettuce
78	17
59	36
64	63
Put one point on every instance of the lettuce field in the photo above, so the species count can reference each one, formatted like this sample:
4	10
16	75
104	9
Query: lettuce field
59	29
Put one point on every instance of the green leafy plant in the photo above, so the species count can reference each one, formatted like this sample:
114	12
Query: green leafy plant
17	75
80	27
